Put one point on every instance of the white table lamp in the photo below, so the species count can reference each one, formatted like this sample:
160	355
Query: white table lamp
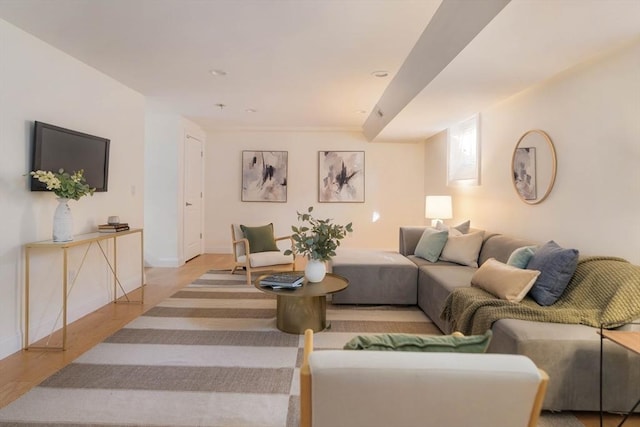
438	208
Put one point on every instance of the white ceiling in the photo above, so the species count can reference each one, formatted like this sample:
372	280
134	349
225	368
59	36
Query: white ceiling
306	64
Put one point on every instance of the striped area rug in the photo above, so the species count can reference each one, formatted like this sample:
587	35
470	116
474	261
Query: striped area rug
210	355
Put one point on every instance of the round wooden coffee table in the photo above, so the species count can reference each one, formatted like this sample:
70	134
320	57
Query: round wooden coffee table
305	307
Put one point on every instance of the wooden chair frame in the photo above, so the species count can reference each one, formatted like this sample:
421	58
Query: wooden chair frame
305	388
247	263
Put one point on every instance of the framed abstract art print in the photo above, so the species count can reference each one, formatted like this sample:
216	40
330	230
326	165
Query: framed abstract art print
264	176
341	176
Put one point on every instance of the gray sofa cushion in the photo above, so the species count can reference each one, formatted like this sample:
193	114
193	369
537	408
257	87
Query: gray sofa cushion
570	354
375	277
435	283
409	238
500	247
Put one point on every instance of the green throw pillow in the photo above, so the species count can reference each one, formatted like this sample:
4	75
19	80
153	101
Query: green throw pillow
260	239
437	343
521	256
431	243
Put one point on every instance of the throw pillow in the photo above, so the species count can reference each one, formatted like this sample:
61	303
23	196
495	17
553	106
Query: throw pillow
431	243
504	281
556	266
463	249
260	239
521	256
462	228
454	343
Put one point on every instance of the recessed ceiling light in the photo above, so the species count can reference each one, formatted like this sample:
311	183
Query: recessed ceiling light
218	73
380	73
251	110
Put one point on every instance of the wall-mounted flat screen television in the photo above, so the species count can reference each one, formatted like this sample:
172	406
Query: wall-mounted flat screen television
57	148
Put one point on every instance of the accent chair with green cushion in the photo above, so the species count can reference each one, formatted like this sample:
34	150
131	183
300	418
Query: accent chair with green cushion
256	249
261	239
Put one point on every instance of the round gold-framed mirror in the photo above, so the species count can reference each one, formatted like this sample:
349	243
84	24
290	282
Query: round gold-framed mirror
533	166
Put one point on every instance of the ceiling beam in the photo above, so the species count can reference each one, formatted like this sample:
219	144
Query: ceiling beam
453	26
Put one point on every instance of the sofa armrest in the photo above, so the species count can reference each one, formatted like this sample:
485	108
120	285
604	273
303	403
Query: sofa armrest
409	238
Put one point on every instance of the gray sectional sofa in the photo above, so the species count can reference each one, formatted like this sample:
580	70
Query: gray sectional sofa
569	353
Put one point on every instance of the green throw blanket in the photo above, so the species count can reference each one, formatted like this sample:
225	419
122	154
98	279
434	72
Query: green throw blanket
603	291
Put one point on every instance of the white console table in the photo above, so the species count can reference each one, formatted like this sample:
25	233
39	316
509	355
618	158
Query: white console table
83	239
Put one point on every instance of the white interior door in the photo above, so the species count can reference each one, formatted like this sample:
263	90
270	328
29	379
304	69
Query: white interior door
193	168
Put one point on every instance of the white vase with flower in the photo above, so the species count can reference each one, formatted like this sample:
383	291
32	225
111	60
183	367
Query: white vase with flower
66	186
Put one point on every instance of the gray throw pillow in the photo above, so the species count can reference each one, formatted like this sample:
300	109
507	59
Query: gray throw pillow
431	243
463	227
556	266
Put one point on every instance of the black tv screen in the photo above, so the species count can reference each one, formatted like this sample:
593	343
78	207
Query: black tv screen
57	148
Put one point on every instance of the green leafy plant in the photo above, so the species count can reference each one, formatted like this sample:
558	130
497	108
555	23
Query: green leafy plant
317	238
64	185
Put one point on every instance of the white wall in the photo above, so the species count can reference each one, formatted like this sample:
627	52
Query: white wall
162	136
592	114
164	186
393	186
38	82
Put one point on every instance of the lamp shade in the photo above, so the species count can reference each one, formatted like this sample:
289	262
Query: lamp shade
438	207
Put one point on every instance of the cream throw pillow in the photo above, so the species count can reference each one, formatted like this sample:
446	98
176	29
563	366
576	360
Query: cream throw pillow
504	281
463	249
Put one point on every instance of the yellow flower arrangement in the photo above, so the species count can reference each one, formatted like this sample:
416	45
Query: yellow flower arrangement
65	185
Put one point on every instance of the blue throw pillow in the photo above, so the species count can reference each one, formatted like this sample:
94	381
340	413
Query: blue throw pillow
431	244
521	256
556	266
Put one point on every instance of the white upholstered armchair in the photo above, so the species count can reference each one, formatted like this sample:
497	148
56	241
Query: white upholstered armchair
397	388
264	260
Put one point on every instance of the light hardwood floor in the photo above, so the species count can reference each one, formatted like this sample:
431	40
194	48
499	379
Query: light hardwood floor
25	369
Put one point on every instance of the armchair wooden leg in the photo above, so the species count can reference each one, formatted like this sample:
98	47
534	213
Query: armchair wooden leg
305	381
248	270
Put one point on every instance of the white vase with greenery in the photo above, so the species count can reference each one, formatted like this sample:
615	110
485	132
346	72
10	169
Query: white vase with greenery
317	239
62	222
66	186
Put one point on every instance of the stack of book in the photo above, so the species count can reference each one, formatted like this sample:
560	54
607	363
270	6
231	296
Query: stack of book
113	228
283	280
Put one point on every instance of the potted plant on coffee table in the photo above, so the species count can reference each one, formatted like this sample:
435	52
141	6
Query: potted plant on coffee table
317	239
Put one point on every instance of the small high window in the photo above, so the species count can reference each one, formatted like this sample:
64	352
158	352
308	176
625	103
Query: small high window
463	152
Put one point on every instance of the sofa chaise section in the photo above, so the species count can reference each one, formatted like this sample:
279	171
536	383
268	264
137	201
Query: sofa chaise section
376	277
572	355
569	353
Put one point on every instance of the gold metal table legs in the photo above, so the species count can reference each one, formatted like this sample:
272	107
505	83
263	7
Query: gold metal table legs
88	240
296	314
